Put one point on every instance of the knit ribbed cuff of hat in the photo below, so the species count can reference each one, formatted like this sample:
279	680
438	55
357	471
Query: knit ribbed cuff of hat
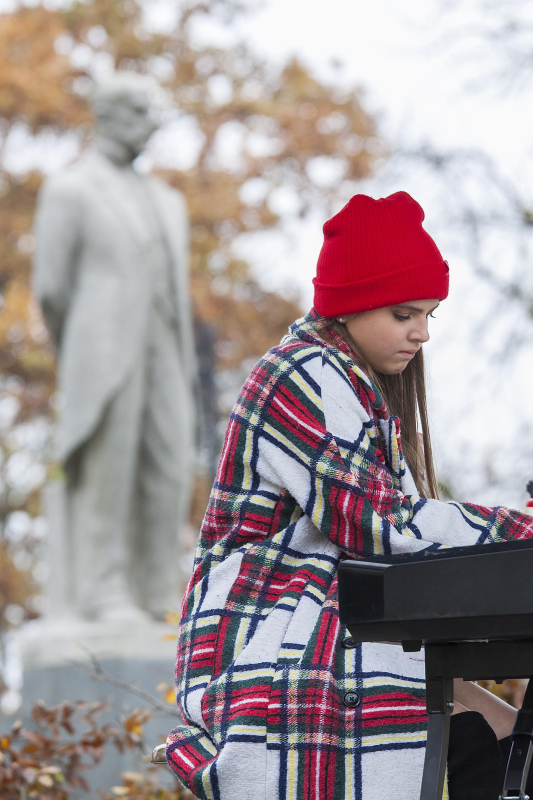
418	282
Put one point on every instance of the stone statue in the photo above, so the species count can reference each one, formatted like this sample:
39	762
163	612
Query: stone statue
110	273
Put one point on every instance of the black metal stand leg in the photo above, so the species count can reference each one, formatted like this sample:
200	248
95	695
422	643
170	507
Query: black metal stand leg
439	703
514	787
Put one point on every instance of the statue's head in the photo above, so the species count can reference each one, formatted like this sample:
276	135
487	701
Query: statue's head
122	109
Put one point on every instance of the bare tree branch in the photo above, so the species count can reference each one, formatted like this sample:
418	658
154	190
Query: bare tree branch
96	671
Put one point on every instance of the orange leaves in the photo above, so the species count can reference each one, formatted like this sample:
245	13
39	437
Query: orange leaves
17	587
64	743
24	345
169	693
120	20
32	87
59	718
170	696
23	767
288	129
317	120
147	787
172	618
133	724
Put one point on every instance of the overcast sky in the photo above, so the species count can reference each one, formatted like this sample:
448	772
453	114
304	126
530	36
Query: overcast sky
413	66
409	59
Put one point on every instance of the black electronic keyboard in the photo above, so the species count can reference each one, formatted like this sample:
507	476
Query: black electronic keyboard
471	608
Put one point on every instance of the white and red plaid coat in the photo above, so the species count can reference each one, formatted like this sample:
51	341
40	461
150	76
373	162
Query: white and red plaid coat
276	703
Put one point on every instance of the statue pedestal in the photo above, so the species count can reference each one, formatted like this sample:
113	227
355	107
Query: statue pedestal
62	640
56	660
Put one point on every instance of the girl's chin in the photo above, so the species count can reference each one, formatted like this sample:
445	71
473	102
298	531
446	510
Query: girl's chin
391	369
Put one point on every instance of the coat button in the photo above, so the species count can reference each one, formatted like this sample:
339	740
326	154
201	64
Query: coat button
349	643
352	699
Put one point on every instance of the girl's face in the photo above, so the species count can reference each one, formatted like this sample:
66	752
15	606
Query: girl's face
388	338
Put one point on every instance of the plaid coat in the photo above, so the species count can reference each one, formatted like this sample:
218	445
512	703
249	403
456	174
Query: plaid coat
277	705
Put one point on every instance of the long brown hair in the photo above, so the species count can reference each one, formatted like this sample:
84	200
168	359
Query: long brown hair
405	397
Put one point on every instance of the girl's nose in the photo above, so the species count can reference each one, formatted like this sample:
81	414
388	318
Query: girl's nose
420	333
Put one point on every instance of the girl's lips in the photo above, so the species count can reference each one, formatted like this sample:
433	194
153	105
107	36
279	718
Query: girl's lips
409	353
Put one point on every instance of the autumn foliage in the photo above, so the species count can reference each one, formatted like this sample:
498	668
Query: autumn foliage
283	120
52	758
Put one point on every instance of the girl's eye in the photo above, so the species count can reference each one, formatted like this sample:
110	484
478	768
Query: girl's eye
432	316
400	318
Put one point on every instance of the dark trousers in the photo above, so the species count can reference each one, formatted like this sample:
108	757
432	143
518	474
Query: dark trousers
476	759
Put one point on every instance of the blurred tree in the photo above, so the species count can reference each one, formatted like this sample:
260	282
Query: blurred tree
493	39
491	220
251	130
490	212
279	123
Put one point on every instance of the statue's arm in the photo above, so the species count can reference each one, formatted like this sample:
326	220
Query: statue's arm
187	325
57	232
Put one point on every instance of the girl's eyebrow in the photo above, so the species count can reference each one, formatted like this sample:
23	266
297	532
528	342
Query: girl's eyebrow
415	308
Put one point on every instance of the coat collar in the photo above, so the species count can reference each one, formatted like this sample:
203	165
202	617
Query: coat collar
310	329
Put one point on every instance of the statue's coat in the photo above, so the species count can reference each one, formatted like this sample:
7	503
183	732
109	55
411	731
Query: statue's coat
92	281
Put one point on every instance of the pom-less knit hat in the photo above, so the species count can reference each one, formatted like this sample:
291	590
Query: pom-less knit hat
376	253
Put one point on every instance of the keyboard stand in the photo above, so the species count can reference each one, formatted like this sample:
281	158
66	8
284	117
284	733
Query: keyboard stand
514	787
439	703
474	661
440	600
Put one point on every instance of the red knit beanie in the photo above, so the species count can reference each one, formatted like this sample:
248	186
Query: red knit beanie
376	253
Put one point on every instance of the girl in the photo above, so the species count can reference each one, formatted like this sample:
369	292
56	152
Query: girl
279	702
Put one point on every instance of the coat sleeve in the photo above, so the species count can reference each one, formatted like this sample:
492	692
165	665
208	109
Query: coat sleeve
342	474
57	232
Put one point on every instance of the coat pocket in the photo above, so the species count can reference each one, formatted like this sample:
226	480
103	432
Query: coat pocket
202	613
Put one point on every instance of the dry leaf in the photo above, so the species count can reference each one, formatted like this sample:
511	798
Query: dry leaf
135	777
134	727
173	618
170	696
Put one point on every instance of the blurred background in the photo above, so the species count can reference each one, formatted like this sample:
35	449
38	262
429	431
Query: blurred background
271	116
